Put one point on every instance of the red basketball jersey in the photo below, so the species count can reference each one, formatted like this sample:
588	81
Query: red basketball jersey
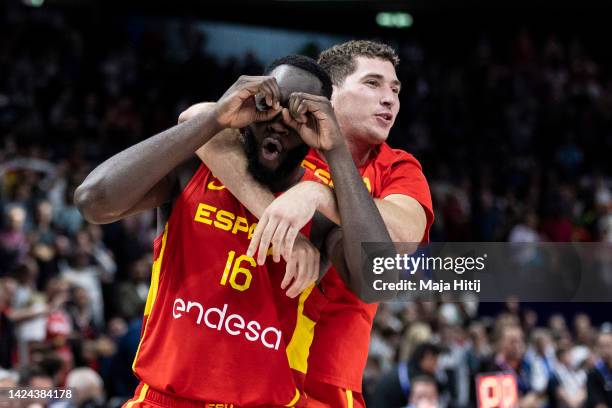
217	326
340	348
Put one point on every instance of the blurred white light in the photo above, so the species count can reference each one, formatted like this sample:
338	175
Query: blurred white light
33	3
394	20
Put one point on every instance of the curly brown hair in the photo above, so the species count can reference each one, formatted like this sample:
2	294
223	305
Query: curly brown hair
339	60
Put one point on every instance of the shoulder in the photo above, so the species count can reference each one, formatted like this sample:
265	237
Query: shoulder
181	181
186	171
392	157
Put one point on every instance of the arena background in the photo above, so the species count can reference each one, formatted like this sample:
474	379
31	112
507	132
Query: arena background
508	107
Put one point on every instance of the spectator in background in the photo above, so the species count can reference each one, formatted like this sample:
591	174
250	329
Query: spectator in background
14	245
386	338
28	298
395	387
12	317
43	238
599	380
557	324
68	217
8	379
510	356
121	379
87	386
7	328
584	330
81	314
453	369
424	393
541	356
35	377
569	382
132	294
480	348
418	333
59	326
527	230
89	267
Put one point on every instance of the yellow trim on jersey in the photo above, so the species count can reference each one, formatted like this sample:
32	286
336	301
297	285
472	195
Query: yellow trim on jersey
349	398
299	346
152	289
141	396
295	398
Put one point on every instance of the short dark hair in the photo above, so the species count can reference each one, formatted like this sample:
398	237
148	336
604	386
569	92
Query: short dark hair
423	349
425	378
307	64
339	60
28	372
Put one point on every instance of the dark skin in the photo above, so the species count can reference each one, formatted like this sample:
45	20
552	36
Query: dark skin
313	118
145	175
152	173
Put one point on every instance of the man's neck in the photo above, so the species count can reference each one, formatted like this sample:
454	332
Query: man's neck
359	151
287	182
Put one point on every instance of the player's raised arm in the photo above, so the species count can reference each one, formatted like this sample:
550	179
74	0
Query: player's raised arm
136	178
313	118
224	156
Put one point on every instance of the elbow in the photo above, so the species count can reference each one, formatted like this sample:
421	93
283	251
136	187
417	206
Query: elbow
184	116
89	199
372	297
378	289
371	288
376	284
407	240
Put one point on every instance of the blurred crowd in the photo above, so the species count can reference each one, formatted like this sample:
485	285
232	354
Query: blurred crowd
515	146
432	354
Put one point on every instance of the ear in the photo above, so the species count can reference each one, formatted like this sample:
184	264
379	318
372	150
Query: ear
333	96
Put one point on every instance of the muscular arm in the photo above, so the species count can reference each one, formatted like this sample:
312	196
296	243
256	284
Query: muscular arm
137	178
225	157
361	223
360	217
403	216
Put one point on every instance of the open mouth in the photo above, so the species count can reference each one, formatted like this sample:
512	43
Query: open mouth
271	148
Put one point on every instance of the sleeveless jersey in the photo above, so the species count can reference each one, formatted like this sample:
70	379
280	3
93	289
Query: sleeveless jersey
217	326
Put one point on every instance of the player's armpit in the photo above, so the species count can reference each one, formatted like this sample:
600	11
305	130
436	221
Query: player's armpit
359	282
334	252
158	195
166	190
404	217
320	234
96	212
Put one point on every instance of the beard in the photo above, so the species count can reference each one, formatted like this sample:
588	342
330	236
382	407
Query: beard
264	175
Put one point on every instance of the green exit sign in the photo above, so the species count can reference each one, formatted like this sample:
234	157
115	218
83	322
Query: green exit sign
394	20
